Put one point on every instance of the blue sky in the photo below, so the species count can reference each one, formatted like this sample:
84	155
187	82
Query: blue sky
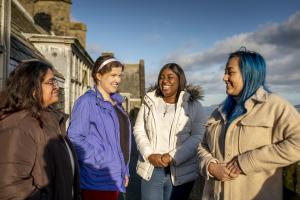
198	35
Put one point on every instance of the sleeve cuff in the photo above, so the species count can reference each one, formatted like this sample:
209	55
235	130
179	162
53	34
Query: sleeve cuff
172	154
208	175
146	155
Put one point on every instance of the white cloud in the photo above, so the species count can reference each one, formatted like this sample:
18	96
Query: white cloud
278	43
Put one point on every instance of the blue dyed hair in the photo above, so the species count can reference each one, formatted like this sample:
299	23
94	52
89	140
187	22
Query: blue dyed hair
253	69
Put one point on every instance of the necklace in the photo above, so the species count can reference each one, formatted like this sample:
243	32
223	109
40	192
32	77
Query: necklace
167	108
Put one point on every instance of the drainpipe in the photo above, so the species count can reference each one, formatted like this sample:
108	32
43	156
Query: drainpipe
5	30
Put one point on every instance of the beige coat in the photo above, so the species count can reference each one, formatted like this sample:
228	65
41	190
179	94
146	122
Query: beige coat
186	133
265	139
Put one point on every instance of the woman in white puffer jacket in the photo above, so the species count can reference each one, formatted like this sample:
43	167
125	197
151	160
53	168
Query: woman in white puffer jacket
167	131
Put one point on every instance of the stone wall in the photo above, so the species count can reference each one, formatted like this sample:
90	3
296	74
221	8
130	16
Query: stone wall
133	83
77	29
54	16
130	80
28	5
133	80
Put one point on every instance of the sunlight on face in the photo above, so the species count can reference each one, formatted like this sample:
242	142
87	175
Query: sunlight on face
110	81
233	77
50	89
169	84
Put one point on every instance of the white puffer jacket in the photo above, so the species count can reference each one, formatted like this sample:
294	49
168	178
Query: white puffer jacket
186	134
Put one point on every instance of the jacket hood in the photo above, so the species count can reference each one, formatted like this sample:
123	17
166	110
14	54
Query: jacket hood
195	91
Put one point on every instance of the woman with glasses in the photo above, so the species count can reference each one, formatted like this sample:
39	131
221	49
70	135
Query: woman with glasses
37	160
100	131
249	137
167	132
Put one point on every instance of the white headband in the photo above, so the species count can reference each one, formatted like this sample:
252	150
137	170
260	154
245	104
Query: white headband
106	62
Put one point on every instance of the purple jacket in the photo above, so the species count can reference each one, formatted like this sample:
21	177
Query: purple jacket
95	133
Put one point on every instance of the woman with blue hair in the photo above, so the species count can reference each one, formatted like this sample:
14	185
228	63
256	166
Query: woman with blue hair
250	137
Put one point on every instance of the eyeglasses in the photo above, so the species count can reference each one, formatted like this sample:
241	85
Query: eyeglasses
53	82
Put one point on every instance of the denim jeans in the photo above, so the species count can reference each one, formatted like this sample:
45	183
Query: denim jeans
159	187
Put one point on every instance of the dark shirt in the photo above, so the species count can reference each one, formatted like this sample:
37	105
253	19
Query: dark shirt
124	133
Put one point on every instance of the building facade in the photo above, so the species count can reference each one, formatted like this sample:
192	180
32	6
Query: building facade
133	87
42	29
25	36
70	59
54	17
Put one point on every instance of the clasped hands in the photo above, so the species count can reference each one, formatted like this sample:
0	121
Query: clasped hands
225	171
160	160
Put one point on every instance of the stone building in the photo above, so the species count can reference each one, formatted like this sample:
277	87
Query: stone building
54	17
133	86
63	46
42	29
70	59
25	36
14	46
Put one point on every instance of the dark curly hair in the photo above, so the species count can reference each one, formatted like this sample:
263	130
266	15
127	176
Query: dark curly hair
24	81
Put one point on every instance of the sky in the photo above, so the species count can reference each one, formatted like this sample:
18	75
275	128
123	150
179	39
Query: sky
198	35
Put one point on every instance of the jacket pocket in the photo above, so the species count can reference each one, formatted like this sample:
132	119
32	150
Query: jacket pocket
184	130
144	169
254	133
103	155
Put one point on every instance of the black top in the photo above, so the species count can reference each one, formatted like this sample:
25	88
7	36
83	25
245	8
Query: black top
124	133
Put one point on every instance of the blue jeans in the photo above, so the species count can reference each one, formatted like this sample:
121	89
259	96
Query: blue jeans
159	187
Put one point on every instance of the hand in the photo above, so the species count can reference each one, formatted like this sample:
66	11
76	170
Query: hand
234	168
126	181
167	159
219	171
156	161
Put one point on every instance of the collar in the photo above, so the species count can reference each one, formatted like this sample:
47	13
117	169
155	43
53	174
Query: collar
260	96
105	104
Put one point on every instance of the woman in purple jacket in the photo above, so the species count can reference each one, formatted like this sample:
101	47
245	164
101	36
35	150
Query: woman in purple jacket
100	131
